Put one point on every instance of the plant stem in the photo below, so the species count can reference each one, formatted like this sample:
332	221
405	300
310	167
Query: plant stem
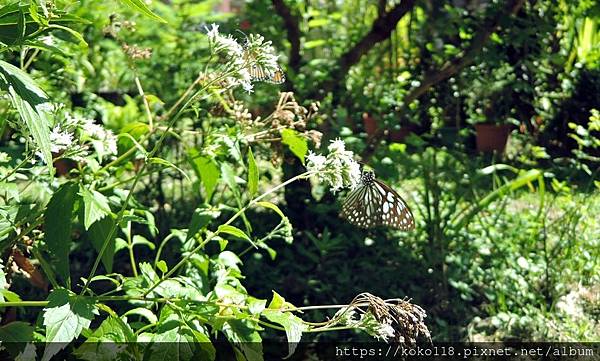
229	221
151	154
15	169
146	105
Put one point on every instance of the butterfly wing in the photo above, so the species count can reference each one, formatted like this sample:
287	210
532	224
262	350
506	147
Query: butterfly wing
277	77
376	204
393	210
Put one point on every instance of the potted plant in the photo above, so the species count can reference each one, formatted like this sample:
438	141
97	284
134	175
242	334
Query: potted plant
492	137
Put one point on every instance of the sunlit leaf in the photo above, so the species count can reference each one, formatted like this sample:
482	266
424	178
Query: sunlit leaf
297	144
253	175
65	317
95	206
31	103
141	6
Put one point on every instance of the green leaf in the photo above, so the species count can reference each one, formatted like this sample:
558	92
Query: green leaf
234	231
279	303
207	171
98	233
271	206
297	144
108	342
229	177
170	165
95	206
14	337
253	175
144	312
31	102
74	33
293	325
65	317
140	6
314	43
162	266
245	338
200	219
57	224
174	344
16	331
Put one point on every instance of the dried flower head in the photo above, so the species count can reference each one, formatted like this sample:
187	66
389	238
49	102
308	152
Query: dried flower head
399	321
136	53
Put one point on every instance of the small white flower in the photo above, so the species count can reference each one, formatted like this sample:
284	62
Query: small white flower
315	162
48	40
60	140
337	145
213	32
338	168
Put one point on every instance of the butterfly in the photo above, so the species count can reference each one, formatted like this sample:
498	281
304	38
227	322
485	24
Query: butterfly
258	72
374	204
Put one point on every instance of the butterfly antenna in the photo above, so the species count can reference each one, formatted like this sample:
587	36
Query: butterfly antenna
244	35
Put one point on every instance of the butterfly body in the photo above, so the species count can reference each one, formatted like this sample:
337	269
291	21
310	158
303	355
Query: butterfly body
373	204
258	72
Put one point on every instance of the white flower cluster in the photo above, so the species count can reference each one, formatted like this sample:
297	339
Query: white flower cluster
73	134
103	140
338	168
255	53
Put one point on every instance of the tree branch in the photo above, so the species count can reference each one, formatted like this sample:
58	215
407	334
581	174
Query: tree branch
380	30
293	33
468	55
452	67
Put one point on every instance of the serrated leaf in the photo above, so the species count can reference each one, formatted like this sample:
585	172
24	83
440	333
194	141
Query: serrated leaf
245	338
293	325
98	233
253	175
140	6
108	342
234	231
65	317
57	224
297	144
31	102
174	344
95	206
229	177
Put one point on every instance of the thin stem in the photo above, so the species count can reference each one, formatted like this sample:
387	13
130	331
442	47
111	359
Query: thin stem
15	169
151	154
216	233
130	248
146	105
45	266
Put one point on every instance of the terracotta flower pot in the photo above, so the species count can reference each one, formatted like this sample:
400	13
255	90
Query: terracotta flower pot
492	137
370	124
